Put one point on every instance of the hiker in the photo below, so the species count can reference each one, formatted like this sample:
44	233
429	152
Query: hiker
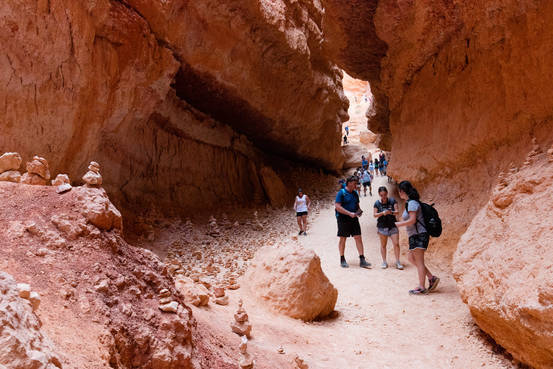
366	180
301	206
384	165
345	139
341	184
347	130
413	220
376	167
364	162
385	210
371	168
347	216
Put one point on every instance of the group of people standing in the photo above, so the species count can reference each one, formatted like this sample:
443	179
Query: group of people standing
386	210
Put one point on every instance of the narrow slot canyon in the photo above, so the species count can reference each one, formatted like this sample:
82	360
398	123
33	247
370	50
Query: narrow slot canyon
152	154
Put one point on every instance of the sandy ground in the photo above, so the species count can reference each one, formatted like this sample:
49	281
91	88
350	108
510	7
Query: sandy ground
377	325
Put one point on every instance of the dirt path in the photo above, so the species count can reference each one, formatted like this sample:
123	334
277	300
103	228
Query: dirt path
379	324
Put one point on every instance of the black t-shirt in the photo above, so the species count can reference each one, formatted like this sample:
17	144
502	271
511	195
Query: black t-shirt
386	221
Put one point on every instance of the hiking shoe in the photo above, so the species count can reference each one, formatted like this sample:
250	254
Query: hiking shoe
399	266
304	233
433	283
299	233
384	265
344	264
418	291
364	264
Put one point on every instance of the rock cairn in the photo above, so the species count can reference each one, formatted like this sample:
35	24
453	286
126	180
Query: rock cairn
9	167
213	229
166	302
241	325
93	178
25	292
246	360
38	172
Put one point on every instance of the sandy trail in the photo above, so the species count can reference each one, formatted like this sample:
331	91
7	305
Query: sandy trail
379	324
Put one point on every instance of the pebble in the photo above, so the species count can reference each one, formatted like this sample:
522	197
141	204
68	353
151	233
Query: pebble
171	307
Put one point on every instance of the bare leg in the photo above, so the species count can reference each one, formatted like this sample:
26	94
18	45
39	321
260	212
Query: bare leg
395	242
419	263
342	245
383	243
299	223
304	221
359	244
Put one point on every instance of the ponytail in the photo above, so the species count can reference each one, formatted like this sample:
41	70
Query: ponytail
411	191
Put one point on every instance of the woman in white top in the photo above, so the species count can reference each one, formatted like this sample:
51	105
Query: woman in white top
301	206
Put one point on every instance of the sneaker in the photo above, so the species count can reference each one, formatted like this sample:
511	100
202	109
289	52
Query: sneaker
299	233
364	264
344	264
399	265
304	233
433	283
384	265
418	291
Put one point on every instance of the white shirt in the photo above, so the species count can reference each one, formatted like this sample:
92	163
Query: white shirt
301	203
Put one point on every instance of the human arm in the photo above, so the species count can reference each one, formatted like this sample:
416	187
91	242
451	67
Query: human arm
296	204
378	214
412	220
307	202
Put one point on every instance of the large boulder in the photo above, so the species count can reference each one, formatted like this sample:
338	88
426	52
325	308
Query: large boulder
10	161
503	265
290	281
274	187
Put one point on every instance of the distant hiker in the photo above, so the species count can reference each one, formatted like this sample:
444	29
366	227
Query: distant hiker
382	157
376	166
385	210
301	206
347	216
342	184
366	179
345	139
347	130
418	236
371	168
384	166
364	162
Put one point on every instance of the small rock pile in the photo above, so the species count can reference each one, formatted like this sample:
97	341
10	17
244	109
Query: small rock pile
166	302
38	172
246	360
93	178
9	167
241	325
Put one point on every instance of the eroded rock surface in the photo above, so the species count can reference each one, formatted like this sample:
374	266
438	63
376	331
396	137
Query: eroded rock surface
289	280
245	73
23	343
100	296
503	264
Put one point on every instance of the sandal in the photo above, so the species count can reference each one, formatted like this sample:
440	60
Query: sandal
433	283
418	291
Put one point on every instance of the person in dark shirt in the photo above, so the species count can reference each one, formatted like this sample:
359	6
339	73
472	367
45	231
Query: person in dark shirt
347	216
385	211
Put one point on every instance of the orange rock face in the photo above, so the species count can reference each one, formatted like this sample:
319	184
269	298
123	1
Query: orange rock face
502	264
115	78
463	88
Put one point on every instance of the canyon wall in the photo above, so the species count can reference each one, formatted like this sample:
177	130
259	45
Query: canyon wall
180	102
467	88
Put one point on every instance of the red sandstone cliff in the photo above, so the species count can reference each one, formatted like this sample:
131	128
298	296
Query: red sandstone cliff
169	95
463	87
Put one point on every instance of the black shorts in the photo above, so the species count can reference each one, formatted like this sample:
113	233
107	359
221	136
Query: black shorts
366	184
419	241
348	226
301	213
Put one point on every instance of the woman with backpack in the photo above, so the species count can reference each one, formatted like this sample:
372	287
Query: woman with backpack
419	238
385	211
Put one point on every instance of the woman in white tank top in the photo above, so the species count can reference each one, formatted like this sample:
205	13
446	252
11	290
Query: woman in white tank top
301	206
